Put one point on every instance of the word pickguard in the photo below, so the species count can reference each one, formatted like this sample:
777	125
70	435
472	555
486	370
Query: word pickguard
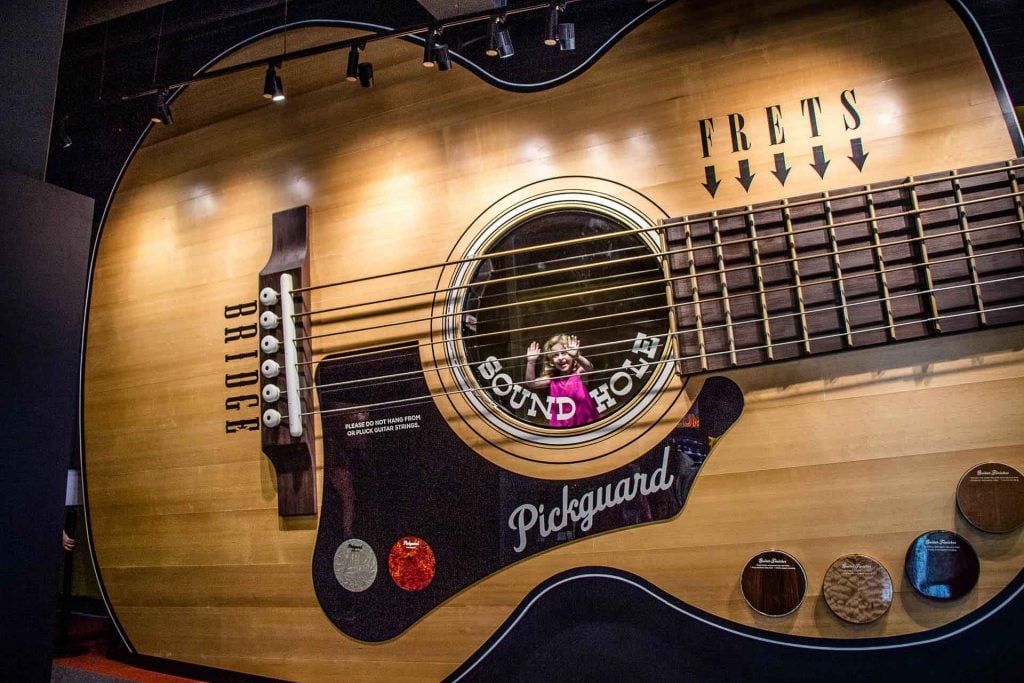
411	515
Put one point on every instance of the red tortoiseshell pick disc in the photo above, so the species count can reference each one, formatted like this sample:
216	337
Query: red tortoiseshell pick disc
411	563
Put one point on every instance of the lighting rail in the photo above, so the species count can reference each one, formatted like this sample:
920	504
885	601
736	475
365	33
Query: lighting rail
500	14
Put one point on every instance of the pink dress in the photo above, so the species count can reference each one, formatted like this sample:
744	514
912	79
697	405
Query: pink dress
571	386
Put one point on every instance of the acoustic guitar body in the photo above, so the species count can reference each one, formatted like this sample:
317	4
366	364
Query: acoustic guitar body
410	529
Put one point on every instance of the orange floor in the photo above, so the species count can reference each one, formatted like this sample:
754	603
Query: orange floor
89	639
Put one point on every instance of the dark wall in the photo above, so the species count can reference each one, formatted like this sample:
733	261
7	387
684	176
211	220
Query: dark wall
44	261
44	265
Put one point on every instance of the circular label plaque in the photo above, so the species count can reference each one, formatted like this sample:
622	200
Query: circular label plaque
857	589
355	565
411	563
991	497
773	583
942	565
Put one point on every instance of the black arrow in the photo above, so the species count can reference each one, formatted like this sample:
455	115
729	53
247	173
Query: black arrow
712	184
859	156
820	163
781	172
745	177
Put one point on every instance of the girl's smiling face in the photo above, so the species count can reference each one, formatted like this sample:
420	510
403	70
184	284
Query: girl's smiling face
560	358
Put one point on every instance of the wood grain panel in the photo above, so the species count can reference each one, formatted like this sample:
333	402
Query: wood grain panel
858	452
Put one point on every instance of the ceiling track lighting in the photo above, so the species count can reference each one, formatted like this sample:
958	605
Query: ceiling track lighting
551	32
442	57
352	70
503	41
273	89
161	109
429	46
435	53
566	37
366	75
492	37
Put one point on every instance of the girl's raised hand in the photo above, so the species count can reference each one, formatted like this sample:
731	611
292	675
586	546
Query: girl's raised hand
574	345
533	351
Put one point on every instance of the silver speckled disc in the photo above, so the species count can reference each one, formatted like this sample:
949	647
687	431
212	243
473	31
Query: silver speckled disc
355	565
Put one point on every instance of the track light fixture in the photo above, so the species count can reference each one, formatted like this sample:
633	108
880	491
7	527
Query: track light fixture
503	41
566	37
161	109
442	57
273	89
429	47
492	37
551	32
352	70
366	75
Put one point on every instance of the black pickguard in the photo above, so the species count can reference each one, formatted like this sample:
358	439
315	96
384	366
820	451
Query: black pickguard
388	475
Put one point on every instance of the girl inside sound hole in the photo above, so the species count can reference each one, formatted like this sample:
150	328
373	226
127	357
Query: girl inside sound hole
571	405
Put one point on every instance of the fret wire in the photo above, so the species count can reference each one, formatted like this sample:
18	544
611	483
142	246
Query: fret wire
922	251
1011	171
724	284
833	242
668	335
695	295
787	218
409	401
673	318
590	238
883	284
759	278
972	266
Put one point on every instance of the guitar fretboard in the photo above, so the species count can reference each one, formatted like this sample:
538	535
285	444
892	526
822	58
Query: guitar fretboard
850	268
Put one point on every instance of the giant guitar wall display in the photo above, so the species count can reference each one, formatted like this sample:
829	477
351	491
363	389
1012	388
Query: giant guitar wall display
781	258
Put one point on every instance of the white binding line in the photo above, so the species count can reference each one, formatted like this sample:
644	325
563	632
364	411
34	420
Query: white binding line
708	622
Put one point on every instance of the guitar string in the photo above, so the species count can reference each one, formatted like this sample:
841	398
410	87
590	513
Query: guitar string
378	380
754	268
732	296
400	297
749	210
786	208
423	399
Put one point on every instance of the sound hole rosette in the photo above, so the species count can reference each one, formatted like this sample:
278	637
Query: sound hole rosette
617	437
991	497
857	589
773	583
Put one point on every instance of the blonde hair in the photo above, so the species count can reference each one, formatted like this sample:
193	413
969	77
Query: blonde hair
548	366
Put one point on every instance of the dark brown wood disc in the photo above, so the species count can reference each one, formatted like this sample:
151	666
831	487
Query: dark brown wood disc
942	565
991	497
857	589
773	583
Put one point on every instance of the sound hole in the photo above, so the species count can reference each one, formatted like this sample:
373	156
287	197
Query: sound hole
569	335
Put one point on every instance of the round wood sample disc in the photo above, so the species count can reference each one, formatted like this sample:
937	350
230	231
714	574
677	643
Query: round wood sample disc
991	497
773	583
942	565
857	588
